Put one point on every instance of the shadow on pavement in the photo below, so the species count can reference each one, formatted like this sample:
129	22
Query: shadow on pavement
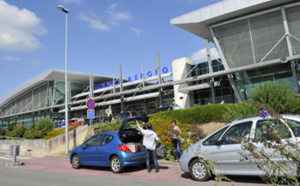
236	179
130	169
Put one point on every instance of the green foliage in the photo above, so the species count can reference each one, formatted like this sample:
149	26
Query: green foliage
11	126
194	115
32	133
56	132
296	106
276	94
2	132
237	111
162	128
114	125
18	131
45	125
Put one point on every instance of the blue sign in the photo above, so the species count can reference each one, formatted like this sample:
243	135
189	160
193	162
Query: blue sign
135	77
90	114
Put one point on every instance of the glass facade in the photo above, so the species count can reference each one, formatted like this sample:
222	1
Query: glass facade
36	103
222	92
259	38
248	79
293	18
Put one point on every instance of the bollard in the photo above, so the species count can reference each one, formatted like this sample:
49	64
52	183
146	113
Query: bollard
14	152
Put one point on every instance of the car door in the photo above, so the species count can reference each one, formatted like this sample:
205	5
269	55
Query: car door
226	154
263	132
91	152
106	149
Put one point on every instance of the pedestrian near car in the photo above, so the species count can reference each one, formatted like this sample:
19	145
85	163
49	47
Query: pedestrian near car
149	142
108	112
175	135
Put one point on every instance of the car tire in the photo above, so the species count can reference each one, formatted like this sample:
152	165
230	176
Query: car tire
198	170
76	161
116	164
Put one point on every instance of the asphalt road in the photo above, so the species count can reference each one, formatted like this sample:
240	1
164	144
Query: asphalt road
58	171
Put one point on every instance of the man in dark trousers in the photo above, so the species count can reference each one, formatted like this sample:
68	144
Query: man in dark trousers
149	142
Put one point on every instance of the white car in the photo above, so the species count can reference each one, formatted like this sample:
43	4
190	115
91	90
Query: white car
223	150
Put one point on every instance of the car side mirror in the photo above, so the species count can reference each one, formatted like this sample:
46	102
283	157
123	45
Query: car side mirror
84	146
218	143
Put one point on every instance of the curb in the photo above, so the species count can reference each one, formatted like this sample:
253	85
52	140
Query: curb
20	163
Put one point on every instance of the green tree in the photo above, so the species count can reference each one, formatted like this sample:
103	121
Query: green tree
18	131
277	94
11	126
2	132
45	125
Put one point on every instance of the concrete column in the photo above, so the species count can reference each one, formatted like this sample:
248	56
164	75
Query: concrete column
180	68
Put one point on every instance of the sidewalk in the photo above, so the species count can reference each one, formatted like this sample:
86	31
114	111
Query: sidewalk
6	160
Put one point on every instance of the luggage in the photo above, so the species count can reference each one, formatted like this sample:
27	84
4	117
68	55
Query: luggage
161	151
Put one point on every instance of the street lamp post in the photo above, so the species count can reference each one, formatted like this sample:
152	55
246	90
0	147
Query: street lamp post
61	8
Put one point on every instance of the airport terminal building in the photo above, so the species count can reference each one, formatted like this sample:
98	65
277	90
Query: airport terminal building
257	41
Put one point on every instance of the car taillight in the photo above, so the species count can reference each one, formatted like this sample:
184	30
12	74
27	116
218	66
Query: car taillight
124	148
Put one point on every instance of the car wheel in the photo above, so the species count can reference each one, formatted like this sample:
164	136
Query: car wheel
76	161
198	171
116	164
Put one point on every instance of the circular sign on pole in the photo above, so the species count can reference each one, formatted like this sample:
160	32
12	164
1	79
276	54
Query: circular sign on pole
90	104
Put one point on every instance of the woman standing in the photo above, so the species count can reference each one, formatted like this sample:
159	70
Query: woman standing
175	134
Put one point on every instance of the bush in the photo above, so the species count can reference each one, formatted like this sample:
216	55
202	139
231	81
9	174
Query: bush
296	106
276	94
195	115
2	132
32	133
114	125
237	111
11	126
56	132
45	125
18	131
162	127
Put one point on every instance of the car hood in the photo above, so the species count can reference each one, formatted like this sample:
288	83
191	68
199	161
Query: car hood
141	118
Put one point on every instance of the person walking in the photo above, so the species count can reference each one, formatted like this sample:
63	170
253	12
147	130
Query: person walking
108	112
175	134
149	142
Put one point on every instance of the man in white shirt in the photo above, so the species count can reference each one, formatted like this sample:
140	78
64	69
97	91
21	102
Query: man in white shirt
149	142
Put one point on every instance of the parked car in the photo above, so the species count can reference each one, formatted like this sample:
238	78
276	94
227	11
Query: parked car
116	149
222	148
79	121
163	108
127	114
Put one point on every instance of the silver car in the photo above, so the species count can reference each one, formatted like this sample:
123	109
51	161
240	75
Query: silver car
223	150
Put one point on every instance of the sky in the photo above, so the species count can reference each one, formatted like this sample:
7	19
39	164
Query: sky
102	35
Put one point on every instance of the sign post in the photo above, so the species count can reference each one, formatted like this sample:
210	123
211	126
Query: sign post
90	104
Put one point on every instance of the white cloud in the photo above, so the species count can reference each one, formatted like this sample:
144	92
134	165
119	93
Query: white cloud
116	16
201	55
137	30
36	62
93	22
71	1
18	28
11	58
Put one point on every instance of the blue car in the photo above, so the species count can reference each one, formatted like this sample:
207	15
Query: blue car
116	149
